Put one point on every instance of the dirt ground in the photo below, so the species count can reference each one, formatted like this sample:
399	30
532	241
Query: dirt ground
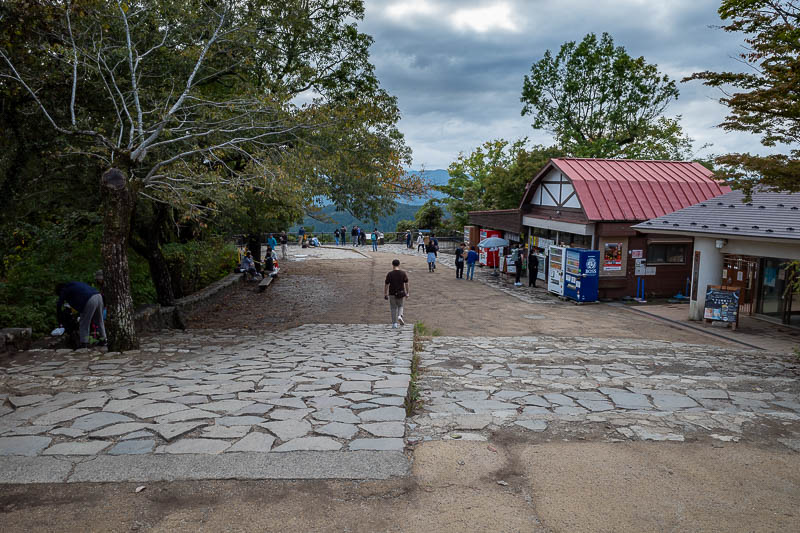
351	291
554	487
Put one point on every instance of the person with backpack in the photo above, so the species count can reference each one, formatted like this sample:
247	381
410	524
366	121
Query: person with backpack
435	242
87	301
375	240
395	289
420	242
472	258
460	261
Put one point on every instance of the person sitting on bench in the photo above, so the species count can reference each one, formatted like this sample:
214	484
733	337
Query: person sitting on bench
248	265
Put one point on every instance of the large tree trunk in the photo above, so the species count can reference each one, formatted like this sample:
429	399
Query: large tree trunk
254	245
118	204
147	243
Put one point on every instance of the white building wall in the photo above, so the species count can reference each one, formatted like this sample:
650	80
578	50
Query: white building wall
710	273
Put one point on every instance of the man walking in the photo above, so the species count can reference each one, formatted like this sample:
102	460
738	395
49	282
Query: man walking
87	301
354	235
460	261
533	267
375	240
472	258
284	245
272	242
343	235
408	239
396	291
517	258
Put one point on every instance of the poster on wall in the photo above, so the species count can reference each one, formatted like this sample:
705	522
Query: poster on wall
612	256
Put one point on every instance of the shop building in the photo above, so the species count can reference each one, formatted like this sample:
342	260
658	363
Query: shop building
505	221
748	246
593	204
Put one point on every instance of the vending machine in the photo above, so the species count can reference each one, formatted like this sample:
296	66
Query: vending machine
581	274
555	274
486	257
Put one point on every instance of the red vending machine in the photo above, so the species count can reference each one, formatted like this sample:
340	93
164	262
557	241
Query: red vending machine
489	258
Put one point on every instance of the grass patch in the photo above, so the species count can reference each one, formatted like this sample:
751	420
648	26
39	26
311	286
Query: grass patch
421	330
413	398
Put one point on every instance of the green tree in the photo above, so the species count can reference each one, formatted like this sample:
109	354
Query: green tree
430	216
507	184
404	224
470	176
598	101
767	99
193	104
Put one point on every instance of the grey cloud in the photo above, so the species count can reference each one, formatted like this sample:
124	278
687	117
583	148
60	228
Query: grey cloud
458	88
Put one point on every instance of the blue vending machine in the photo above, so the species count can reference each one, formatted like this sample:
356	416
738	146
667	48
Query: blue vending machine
581	270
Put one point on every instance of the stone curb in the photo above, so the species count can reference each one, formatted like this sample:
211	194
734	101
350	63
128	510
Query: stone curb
193	467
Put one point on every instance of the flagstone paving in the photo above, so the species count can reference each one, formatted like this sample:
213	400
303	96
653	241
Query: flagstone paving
613	388
211	394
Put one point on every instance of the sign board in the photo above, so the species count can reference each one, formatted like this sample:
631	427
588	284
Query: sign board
637	254
640	269
721	305
650	271
612	256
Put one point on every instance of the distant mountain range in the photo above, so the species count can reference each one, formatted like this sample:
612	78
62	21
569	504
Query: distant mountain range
405	210
385	224
434	177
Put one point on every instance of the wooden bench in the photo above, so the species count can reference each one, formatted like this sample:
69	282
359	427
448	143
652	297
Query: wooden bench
262	286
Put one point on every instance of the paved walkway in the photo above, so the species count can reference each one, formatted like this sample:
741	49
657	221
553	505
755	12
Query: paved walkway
169	410
610	388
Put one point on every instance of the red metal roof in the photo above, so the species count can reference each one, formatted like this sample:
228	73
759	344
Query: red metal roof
627	189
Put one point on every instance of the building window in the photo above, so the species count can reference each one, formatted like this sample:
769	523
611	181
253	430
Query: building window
666	253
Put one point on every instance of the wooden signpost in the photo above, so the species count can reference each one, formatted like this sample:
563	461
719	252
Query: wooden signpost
722	304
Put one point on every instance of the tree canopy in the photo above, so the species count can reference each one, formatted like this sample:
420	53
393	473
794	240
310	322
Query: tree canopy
598	101
258	107
493	176
765	98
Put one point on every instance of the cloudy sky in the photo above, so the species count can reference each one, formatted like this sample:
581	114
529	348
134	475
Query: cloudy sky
457	66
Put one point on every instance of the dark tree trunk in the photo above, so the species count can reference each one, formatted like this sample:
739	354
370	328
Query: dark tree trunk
148	245
254	245
118	202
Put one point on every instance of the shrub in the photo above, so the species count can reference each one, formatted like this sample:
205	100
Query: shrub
40	257
196	264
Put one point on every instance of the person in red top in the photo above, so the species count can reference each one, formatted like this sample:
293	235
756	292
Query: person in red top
396	291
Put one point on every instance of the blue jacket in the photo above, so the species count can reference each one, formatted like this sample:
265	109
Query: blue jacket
472	257
272	242
76	294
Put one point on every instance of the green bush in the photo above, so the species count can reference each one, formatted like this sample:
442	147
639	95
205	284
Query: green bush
37	258
195	265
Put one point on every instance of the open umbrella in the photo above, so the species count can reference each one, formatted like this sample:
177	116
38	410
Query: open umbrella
493	242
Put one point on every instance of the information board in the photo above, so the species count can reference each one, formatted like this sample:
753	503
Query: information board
721	305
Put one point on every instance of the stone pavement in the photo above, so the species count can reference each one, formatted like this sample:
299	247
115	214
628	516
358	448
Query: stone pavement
70	416
614	389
